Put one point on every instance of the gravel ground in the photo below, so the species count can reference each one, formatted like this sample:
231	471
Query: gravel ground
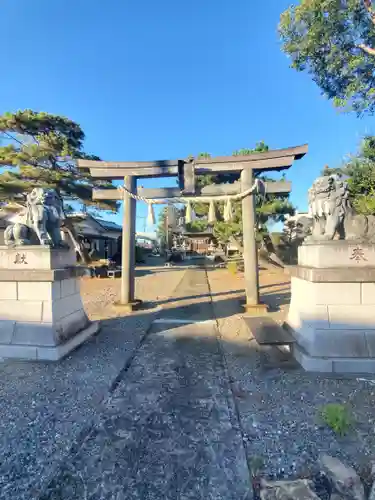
279	404
47	408
153	284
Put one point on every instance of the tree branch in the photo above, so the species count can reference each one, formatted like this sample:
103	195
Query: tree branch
367	49
370	10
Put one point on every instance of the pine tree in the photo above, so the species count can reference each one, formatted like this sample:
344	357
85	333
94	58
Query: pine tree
39	149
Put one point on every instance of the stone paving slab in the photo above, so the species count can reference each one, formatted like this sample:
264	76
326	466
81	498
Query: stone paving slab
191	300
170	430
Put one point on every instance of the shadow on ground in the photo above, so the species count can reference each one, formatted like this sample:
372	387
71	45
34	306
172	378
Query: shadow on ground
180	422
275	300
165	410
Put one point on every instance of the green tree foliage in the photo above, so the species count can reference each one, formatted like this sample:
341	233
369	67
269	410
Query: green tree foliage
260	147
360	171
40	149
334	40
271	208
161	229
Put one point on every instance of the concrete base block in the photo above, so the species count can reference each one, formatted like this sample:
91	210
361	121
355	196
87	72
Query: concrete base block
60	351
336	253
41	310
333	365
48	353
332	307
335	343
354	365
32	257
34	334
311	364
256	309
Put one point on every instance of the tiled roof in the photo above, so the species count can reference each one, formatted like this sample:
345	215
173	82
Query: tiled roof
107	224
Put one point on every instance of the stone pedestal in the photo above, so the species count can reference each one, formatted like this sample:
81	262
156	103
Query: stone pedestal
41	310
332	310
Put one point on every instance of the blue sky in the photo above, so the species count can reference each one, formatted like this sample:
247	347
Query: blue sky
150	79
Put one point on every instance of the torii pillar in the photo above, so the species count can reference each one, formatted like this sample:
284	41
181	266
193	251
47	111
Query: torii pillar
250	250
128	245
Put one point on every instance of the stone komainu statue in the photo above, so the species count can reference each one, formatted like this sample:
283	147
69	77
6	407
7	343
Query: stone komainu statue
41	221
333	214
297	227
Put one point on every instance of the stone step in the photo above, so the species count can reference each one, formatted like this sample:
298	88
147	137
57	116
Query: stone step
266	331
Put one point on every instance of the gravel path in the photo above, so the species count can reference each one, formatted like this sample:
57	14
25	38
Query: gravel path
170	430
154	284
279	404
175	413
47	408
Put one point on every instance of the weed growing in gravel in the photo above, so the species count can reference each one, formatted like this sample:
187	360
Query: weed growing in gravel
337	417
256	464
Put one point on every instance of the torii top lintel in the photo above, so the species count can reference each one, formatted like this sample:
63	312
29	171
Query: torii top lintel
277	159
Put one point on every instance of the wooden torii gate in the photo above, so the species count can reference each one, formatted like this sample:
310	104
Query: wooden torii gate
248	166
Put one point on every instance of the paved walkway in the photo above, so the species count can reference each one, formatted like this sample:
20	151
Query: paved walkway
150	408
169	430
161	406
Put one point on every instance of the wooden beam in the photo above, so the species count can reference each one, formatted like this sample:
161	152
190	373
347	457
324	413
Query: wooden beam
281	163
120	173
221	189
171	192
269	160
296	152
279	187
115	194
210	168
88	164
107	194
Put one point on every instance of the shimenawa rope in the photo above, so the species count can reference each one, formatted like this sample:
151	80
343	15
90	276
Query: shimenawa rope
258	186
